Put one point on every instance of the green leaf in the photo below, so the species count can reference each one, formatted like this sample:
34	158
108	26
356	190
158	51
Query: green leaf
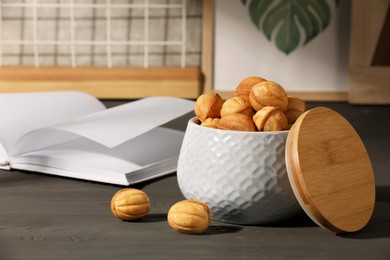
257	8
280	20
243	2
273	18
309	22
283	19
320	8
287	38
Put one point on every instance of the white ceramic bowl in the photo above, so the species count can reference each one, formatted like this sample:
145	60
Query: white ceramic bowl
241	176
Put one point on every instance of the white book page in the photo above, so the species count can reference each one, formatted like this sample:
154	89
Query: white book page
122	123
117	125
21	113
86	159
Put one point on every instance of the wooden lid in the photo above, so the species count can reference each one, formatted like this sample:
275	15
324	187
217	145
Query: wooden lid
330	171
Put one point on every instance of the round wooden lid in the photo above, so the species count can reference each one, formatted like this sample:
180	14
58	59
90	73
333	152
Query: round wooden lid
330	171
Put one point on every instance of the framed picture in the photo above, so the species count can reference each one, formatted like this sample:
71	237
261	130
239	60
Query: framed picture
302	45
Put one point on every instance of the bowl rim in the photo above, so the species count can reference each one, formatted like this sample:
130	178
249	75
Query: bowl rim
192	122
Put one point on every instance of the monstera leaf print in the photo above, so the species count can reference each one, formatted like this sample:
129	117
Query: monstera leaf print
282	20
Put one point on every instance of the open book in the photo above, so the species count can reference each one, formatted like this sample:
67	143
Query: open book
72	134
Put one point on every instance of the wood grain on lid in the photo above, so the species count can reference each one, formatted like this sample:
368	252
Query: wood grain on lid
330	171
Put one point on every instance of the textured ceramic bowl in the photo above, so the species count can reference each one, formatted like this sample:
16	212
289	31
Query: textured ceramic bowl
241	176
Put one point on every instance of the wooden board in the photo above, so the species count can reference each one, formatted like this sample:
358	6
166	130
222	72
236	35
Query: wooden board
307	96
330	171
114	83
208	44
369	82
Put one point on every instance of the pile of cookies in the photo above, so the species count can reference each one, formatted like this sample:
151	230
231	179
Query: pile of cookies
257	105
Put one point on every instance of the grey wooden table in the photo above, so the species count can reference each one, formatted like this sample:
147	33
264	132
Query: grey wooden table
47	217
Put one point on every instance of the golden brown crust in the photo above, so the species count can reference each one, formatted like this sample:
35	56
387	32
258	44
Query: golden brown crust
262	116
236	105
276	122
296	107
244	87
268	93
295	103
130	204
270	119
189	216
210	122
236	122
292	115
208	105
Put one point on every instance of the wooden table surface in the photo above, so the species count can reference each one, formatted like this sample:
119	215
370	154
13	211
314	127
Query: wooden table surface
48	217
